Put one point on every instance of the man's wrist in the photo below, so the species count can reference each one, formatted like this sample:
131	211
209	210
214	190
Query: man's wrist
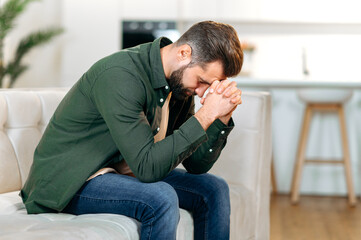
225	119
204	118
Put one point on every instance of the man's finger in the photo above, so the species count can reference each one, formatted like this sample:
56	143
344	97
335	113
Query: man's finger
230	91
223	85
213	86
236	100
236	97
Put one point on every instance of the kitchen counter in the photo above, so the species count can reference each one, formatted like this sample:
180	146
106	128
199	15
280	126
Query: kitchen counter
273	83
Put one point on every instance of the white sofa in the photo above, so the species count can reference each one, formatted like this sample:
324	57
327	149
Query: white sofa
244	163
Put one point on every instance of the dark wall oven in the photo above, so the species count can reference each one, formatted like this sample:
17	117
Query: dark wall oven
138	32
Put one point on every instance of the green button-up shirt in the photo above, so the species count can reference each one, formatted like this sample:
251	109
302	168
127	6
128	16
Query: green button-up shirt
112	113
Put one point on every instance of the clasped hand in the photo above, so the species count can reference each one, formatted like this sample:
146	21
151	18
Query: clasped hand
222	99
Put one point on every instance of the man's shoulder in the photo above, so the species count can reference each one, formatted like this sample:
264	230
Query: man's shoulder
127	58
121	60
126	71
128	61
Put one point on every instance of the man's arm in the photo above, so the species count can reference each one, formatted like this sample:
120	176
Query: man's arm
202	160
121	100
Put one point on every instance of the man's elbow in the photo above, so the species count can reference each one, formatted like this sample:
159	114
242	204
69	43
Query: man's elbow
148	178
197	170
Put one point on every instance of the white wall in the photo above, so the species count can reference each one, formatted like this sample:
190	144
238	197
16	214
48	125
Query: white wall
92	32
94	29
43	61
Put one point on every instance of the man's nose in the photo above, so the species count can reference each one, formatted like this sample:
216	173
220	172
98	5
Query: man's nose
201	90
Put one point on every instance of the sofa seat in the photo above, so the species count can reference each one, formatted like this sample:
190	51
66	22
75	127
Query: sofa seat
16	224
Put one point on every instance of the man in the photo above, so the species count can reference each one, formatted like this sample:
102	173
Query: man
111	148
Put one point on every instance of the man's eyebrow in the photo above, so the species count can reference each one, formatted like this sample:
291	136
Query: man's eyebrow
204	81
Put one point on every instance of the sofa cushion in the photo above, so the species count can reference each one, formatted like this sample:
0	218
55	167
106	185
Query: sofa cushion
17	224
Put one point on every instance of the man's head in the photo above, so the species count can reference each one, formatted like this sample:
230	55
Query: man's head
208	51
212	41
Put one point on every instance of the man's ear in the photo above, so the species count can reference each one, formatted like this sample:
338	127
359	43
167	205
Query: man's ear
184	54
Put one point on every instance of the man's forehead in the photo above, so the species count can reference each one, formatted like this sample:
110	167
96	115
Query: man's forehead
210	78
215	69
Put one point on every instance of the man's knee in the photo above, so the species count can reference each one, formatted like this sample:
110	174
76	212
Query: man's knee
217	192
166	195
162	209
164	201
217	185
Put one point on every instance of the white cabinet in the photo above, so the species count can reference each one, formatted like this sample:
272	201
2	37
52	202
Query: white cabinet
283	11
289	11
311	11
200	9
229	10
149	9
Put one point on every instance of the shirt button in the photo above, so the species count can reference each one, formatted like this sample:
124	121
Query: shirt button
222	132
210	150
166	87
158	129
161	100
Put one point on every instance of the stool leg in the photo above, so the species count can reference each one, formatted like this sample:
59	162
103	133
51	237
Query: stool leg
300	160
346	155
273	177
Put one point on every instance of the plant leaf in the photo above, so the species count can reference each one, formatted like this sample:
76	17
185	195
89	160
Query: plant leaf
9	12
35	39
14	72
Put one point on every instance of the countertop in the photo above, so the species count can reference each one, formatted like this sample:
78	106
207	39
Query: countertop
274	83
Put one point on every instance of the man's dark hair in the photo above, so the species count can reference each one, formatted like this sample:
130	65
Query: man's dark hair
211	41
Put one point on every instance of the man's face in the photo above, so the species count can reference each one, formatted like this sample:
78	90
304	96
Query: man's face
194	80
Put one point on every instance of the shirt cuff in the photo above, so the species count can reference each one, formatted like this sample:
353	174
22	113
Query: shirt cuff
193	131
218	128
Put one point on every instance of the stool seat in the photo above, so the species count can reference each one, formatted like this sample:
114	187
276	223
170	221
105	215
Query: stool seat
324	95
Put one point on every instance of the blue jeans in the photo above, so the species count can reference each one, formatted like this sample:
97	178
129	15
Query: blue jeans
156	205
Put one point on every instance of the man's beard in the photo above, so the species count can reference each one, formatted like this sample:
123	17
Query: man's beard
179	92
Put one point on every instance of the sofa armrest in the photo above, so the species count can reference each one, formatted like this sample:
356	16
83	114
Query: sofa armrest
246	158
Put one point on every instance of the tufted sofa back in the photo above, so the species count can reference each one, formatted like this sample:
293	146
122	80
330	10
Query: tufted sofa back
24	115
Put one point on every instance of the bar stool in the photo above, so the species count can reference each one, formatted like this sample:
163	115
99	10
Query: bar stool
320	100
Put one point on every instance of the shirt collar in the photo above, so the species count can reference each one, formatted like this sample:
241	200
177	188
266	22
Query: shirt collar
158	77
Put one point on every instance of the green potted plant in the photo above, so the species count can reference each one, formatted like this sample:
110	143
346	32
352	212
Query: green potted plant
10	10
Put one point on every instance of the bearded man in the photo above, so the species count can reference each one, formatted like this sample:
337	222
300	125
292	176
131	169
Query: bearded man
115	140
